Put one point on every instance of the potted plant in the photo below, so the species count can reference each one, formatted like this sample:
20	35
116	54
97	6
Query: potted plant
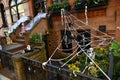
103	2
77	4
96	3
36	38
66	5
55	8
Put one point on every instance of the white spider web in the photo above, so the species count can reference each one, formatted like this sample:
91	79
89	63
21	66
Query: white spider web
72	24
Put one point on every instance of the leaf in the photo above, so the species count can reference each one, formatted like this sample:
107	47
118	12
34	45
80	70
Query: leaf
115	46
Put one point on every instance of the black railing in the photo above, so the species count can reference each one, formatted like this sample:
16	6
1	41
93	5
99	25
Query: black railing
6	61
35	71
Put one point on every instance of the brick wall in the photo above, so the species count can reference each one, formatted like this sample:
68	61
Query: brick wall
117	16
107	15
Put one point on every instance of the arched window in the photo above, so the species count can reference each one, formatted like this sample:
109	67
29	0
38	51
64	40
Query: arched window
3	16
16	10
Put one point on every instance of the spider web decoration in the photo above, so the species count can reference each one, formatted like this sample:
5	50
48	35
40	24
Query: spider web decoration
73	24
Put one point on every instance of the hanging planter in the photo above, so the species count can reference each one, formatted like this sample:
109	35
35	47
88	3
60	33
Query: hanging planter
55	8
79	4
97	3
66	6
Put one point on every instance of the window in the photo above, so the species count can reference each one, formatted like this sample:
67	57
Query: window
83	39
67	41
16	10
3	16
39	6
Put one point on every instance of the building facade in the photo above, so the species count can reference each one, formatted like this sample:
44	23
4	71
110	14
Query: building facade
13	10
106	16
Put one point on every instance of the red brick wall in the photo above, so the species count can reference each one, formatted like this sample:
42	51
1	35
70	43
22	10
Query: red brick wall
117	20
40	26
30	4
108	15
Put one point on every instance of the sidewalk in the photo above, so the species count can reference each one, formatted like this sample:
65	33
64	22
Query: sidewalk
3	77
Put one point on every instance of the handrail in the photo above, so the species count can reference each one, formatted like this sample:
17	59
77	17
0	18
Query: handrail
34	21
15	25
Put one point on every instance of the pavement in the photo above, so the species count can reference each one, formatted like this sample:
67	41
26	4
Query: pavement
3	77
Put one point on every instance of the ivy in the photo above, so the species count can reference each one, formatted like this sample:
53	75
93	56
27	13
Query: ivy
115	46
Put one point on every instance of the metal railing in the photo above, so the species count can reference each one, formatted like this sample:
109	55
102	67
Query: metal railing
34	70
6	61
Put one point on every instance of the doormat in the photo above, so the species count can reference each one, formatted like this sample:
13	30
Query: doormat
3	78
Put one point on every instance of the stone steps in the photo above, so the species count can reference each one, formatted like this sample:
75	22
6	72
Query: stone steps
7	73
14	47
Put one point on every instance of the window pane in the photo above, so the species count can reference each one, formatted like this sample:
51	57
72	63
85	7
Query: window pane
19	1
13	9
15	17
21	10
14	14
17	10
12	2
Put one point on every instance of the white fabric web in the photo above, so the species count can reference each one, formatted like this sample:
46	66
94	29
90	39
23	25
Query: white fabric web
72	24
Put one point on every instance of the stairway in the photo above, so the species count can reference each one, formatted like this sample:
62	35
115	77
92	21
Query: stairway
19	39
5	74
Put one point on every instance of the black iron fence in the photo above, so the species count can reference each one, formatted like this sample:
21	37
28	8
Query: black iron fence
34	70
6	61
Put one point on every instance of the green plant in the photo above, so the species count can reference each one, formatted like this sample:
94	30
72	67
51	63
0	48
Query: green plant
77	2
74	66
115	46
100	50
49	8
65	3
92	70
36	38
56	7
14	30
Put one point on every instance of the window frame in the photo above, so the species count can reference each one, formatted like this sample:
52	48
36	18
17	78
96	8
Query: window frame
17	11
3	16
